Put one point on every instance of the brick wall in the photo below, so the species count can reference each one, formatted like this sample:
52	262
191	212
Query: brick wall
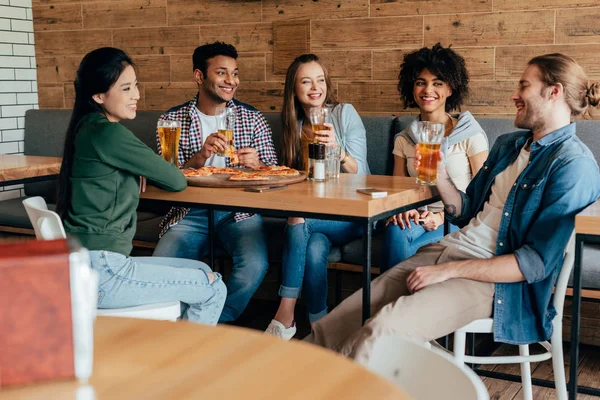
362	41
18	86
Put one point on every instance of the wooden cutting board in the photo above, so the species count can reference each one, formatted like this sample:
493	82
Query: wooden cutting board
222	180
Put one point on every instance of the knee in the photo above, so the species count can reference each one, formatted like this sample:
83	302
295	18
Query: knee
318	249
395	234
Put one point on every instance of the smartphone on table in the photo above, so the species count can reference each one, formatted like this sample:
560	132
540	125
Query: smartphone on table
373	192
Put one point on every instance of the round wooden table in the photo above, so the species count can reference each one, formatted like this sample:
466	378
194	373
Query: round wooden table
144	359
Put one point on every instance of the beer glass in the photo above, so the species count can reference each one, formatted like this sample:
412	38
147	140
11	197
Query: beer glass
225	125
430	137
168	134
318	116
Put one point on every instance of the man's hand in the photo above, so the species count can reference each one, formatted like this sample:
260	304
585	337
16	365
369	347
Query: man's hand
142	184
249	157
403	219
432	221
215	142
422	277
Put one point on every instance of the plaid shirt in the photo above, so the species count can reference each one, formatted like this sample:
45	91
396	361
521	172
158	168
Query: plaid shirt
252	130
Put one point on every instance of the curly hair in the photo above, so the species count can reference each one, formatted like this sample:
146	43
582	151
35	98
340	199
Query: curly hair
209	50
442	62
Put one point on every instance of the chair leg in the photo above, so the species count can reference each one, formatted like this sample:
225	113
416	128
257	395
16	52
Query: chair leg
460	339
558	363
526	373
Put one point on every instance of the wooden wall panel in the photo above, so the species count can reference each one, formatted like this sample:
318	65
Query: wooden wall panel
366	33
361	41
491	29
125	14
387	8
57	17
285	10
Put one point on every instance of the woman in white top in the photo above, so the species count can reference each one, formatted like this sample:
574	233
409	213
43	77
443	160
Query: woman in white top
436	81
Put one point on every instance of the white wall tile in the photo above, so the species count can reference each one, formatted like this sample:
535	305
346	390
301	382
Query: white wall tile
12	187
13	12
29	14
31	38
6	49
21	146
12	194
4	2
23	50
15	111
21	3
22	26
15	87
8	99
14	37
27	98
26	74
13	135
15	62
9	148
7	74
4	24
32	62
8	123
34	87
21	122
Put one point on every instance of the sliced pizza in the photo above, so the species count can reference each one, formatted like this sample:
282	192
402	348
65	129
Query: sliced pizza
280	172
249	176
223	170
197	172
273	168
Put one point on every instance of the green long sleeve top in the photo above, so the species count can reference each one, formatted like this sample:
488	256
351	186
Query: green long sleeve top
105	183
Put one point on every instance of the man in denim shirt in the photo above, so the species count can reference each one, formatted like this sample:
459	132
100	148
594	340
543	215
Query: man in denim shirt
516	217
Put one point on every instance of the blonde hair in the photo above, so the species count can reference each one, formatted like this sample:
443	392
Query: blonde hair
580	93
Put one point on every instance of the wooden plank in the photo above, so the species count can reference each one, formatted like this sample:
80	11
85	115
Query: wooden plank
370	96
367	33
57	17
152	68
479	61
180	40
490	29
142	244
347	64
20	231
182	68
265	96
290	39
125	14
491	97
17	167
351	268
252	67
58	68
577	26
589	369
588	220
54	43
271	76
388	8
278	10
511	61
51	95
193	12
514	5
69	91
162	96
245	37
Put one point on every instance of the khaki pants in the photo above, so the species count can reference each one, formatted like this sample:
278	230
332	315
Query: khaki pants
426	315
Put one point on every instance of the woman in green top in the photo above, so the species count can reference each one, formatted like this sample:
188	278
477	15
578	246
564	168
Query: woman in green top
104	168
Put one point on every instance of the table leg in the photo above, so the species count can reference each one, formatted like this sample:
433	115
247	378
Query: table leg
575	318
366	314
211	237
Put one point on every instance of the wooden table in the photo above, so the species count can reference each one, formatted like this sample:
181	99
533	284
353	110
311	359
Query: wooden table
332	200
144	359
587	230
16	169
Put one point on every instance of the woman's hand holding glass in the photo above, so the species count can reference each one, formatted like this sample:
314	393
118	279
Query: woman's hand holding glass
327	136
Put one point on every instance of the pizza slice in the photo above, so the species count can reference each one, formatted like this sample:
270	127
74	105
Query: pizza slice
249	176
197	172
273	168
280	172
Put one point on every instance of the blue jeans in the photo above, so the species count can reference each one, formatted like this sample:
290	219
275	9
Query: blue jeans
133	281
244	241
400	244
305	260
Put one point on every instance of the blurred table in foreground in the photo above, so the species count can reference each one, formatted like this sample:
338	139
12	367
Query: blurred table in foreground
145	359
16	169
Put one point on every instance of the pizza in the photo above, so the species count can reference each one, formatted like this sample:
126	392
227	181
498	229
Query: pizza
222	170
233	157
197	172
280	172
249	176
273	168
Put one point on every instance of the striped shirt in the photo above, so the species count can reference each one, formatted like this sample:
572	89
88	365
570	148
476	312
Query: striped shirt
251	130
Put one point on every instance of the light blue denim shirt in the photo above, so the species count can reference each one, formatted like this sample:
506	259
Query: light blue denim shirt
538	218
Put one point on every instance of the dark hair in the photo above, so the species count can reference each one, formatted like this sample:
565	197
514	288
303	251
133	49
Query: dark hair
579	93
97	73
207	51
442	62
293	111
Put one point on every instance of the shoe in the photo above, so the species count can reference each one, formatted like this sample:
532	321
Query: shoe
279	330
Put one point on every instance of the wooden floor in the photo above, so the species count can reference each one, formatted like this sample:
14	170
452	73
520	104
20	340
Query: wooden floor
259	314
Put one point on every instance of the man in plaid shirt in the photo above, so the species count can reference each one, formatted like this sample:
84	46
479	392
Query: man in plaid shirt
184	231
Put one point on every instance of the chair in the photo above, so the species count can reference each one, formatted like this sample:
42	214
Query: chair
424	373
554	349
48	226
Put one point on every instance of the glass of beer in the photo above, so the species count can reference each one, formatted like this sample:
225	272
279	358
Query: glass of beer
168	134
430	137
318	117
225	125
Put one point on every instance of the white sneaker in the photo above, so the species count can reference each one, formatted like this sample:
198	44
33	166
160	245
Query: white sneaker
279	330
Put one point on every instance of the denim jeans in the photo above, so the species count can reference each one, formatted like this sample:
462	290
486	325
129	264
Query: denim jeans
305	260
244	241
133	281
400	244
